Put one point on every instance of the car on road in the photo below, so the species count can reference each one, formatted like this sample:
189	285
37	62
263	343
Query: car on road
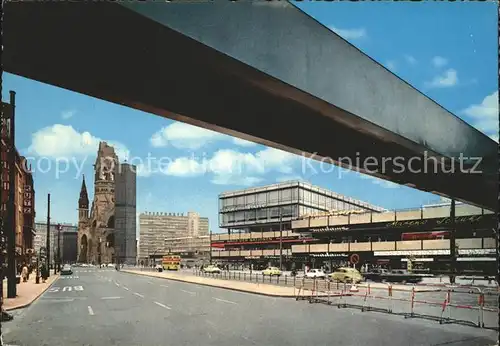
375	274
66	270
347	275
211	269
402	276
316	274
272	271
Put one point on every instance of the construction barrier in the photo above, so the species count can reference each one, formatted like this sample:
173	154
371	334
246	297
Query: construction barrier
459	306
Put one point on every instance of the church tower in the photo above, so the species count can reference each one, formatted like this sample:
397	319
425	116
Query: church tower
83	204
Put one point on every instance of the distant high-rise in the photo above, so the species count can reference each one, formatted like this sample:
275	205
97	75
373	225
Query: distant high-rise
125	214
156	228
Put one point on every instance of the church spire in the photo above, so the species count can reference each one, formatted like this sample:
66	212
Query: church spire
83	201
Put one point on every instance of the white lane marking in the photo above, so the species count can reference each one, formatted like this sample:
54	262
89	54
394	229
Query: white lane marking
163	306
150	282
58	300
225	301
163	285
210	322
138	294
117	284
188	292
111	298
126	288
91	312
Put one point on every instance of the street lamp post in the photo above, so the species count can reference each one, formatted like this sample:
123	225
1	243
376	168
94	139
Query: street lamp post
210	249
59	228
281	238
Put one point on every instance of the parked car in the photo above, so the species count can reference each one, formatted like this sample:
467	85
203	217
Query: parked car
272	271
402	276
211	269
66	270
345	274
375	274
316	274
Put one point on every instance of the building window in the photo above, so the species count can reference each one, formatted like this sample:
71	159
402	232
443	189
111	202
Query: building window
261	198
240	201
250	215
286	195
274	213
262	214
251	199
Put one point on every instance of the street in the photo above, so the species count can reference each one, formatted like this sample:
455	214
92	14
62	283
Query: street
104	307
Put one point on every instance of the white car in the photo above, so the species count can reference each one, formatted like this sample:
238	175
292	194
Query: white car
111	265
315	274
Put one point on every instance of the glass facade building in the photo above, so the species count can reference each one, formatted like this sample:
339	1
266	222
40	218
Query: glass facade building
258	208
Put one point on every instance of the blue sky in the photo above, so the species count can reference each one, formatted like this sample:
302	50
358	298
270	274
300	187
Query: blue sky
446	50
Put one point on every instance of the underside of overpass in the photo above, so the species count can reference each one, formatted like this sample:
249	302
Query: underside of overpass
262	71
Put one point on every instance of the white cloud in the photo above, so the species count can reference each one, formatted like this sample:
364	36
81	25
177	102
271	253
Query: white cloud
68	114
485	115
63	141
184	136
243	143
448	79
439	61
229	166
391	65
349	34
410	59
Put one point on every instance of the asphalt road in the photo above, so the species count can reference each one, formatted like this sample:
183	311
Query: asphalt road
95	307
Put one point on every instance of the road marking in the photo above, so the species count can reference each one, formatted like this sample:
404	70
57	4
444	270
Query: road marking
163	285
126	288
138	294
117	284
163	306
66	300
188	292
150	282
111	298
91	312
225	301
67	288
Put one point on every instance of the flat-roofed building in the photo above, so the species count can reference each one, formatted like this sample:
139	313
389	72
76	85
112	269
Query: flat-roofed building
155	227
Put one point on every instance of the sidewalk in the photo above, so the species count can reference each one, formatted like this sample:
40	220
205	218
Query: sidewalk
27	292
255	288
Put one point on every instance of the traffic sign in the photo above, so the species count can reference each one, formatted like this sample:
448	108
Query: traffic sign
354	259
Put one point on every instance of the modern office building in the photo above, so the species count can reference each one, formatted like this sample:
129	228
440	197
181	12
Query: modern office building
254	218
427	235
69	233
390	239
69	246
125	214
261	208
155	227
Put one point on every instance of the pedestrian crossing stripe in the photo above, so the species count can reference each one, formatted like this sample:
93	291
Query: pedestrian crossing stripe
69	277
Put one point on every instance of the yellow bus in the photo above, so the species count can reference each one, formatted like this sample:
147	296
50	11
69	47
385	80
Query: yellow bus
171	262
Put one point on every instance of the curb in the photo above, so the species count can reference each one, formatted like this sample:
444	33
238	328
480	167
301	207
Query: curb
32	301
221	287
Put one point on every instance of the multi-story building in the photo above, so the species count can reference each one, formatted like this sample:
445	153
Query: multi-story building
154	228
428	235
254	218
125	214
22	206
196	248
424	236
68	236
